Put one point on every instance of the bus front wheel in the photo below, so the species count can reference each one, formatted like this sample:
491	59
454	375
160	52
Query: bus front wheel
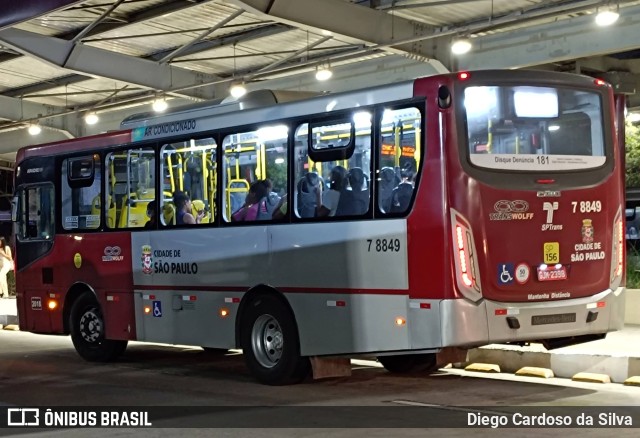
409	363
88	331
270	342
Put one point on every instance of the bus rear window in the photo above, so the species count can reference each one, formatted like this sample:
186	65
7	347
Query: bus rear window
526	128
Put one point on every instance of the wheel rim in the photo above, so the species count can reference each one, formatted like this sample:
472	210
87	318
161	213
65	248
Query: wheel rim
267	341
90	326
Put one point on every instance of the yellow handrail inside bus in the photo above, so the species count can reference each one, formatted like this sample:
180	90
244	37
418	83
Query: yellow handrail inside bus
398	146
170	169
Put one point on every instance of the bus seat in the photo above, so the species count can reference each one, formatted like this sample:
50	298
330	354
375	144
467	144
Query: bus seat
133	212
306	194
355	199
168	216
388	180
236	193
270	201
401	198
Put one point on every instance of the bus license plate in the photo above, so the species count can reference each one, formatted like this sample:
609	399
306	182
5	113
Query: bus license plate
559	318
552	274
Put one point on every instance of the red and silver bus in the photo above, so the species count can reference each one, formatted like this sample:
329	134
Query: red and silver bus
402	221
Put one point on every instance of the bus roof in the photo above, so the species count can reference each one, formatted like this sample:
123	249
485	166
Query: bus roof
74	144
262	109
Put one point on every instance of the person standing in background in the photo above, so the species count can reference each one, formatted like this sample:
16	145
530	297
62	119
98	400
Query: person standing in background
6	265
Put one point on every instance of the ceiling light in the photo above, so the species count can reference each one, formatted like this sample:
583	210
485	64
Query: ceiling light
237	90
159	105
323	74
607	17
461	46
91	118
34	129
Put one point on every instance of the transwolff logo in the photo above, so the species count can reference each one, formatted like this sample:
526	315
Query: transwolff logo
511	211
112	254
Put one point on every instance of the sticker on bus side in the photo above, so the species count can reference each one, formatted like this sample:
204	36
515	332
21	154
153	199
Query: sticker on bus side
505	273
551	253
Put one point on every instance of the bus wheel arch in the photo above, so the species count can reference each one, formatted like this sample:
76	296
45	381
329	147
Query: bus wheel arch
72	295
87	328
268	334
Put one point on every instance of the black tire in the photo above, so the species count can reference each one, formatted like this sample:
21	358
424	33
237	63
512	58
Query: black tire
88	330
409	363
270	342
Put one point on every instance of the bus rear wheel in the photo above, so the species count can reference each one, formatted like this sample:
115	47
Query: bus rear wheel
270	342
409	363
88	331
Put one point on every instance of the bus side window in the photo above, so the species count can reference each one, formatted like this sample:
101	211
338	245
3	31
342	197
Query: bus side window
400	153
255	165
129	187
81	184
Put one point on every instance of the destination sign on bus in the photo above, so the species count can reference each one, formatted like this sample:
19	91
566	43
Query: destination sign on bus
389	149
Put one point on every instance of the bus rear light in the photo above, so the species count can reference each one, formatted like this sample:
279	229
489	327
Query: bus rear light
52	304
620	240
545	181
224	312
500	312
599	82
465	258
617	253
464	75
400	321
147	310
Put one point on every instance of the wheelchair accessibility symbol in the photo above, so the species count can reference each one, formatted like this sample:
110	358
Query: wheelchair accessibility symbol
505	273
157	309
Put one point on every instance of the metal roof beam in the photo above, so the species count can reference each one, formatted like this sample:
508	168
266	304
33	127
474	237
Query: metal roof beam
183	49
227	40
147	14
46	85
18	110
103	63
554	42
349	20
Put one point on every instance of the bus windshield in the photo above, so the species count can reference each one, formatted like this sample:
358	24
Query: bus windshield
534	128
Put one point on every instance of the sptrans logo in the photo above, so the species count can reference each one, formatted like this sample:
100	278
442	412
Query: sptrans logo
147	260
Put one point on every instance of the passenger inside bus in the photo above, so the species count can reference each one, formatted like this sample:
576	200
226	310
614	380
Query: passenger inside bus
388	181
272	199
254	207
183	210
401	196
151	213
307	200
354	199
328	200
280	212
